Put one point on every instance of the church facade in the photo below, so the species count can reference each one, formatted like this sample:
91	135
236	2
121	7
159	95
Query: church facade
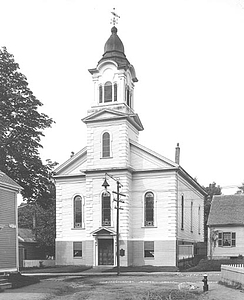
161	210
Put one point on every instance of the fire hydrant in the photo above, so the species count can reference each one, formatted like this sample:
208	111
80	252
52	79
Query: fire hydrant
205	282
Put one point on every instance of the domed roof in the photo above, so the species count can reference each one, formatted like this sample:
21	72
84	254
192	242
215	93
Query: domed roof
114	43
114	49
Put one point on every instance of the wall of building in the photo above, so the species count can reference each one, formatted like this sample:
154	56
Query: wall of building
8	230
193	222
215	251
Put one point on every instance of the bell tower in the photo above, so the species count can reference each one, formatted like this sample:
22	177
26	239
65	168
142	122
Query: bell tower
114	77
111	120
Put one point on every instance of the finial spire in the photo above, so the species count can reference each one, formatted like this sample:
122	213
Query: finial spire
115	18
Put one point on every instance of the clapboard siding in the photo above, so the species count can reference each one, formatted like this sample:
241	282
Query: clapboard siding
8	231
163	187
190	232
64	254
119	134
218	252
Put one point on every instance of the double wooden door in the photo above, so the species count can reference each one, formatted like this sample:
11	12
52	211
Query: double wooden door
105	251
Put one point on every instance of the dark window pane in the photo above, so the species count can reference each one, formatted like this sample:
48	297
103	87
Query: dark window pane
106	209
148	249
149	209
115	92
226	239
77	249
106	145
108	92
100	94
77	211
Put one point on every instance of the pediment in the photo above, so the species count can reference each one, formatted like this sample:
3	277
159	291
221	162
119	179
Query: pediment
103	231
104	114
142	158
111	114
73	165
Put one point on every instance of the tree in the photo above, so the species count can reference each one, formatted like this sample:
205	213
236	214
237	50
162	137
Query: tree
42	222
21	129
240	189
212	190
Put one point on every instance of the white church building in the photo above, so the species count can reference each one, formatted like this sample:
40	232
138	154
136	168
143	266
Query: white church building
161	219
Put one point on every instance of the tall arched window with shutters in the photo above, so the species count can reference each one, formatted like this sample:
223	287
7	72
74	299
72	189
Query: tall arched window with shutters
77	212
149	209
106	209
106	144
108	92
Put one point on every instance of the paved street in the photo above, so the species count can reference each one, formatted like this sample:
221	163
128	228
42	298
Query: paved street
92	286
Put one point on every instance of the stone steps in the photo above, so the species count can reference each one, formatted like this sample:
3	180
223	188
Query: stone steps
4	284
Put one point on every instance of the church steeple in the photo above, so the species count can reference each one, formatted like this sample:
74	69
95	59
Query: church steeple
114	77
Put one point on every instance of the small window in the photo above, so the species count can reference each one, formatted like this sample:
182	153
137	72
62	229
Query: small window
106	145
149	249
108	92
115	92
149	209
77	212
227	239
77	249
100	94
106	209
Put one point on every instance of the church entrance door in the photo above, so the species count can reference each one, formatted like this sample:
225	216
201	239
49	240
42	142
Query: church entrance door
105	251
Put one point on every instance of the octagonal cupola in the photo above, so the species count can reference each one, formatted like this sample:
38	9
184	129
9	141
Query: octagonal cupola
114	78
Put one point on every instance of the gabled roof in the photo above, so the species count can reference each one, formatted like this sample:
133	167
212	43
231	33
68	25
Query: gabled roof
26	235
70	162
227	210
110	114
162	161
103	231
7	182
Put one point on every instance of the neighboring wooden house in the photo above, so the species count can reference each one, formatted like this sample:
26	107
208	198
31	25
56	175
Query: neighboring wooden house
8	224
226	227
162	217
28	246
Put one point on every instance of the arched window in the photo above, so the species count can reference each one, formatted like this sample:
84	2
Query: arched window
149	209
77	212
115	92
106	209
100	94
106	145
108	92
128	96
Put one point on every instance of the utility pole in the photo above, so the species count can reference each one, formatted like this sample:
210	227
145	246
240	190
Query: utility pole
119	185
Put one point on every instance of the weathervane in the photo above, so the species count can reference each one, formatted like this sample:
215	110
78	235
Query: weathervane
115	18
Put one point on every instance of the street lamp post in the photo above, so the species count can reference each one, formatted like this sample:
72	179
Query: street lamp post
119	185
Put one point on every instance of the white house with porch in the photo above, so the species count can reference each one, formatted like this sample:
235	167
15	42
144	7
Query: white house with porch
162	211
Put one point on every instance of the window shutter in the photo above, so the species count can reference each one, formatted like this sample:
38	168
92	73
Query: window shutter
233	239
220	239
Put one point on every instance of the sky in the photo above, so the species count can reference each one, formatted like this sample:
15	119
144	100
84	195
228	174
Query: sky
189	60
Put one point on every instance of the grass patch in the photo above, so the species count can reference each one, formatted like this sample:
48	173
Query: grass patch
57	269
146	269
213	264
19	280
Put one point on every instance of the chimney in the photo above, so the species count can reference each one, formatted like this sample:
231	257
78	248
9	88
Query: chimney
177	154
